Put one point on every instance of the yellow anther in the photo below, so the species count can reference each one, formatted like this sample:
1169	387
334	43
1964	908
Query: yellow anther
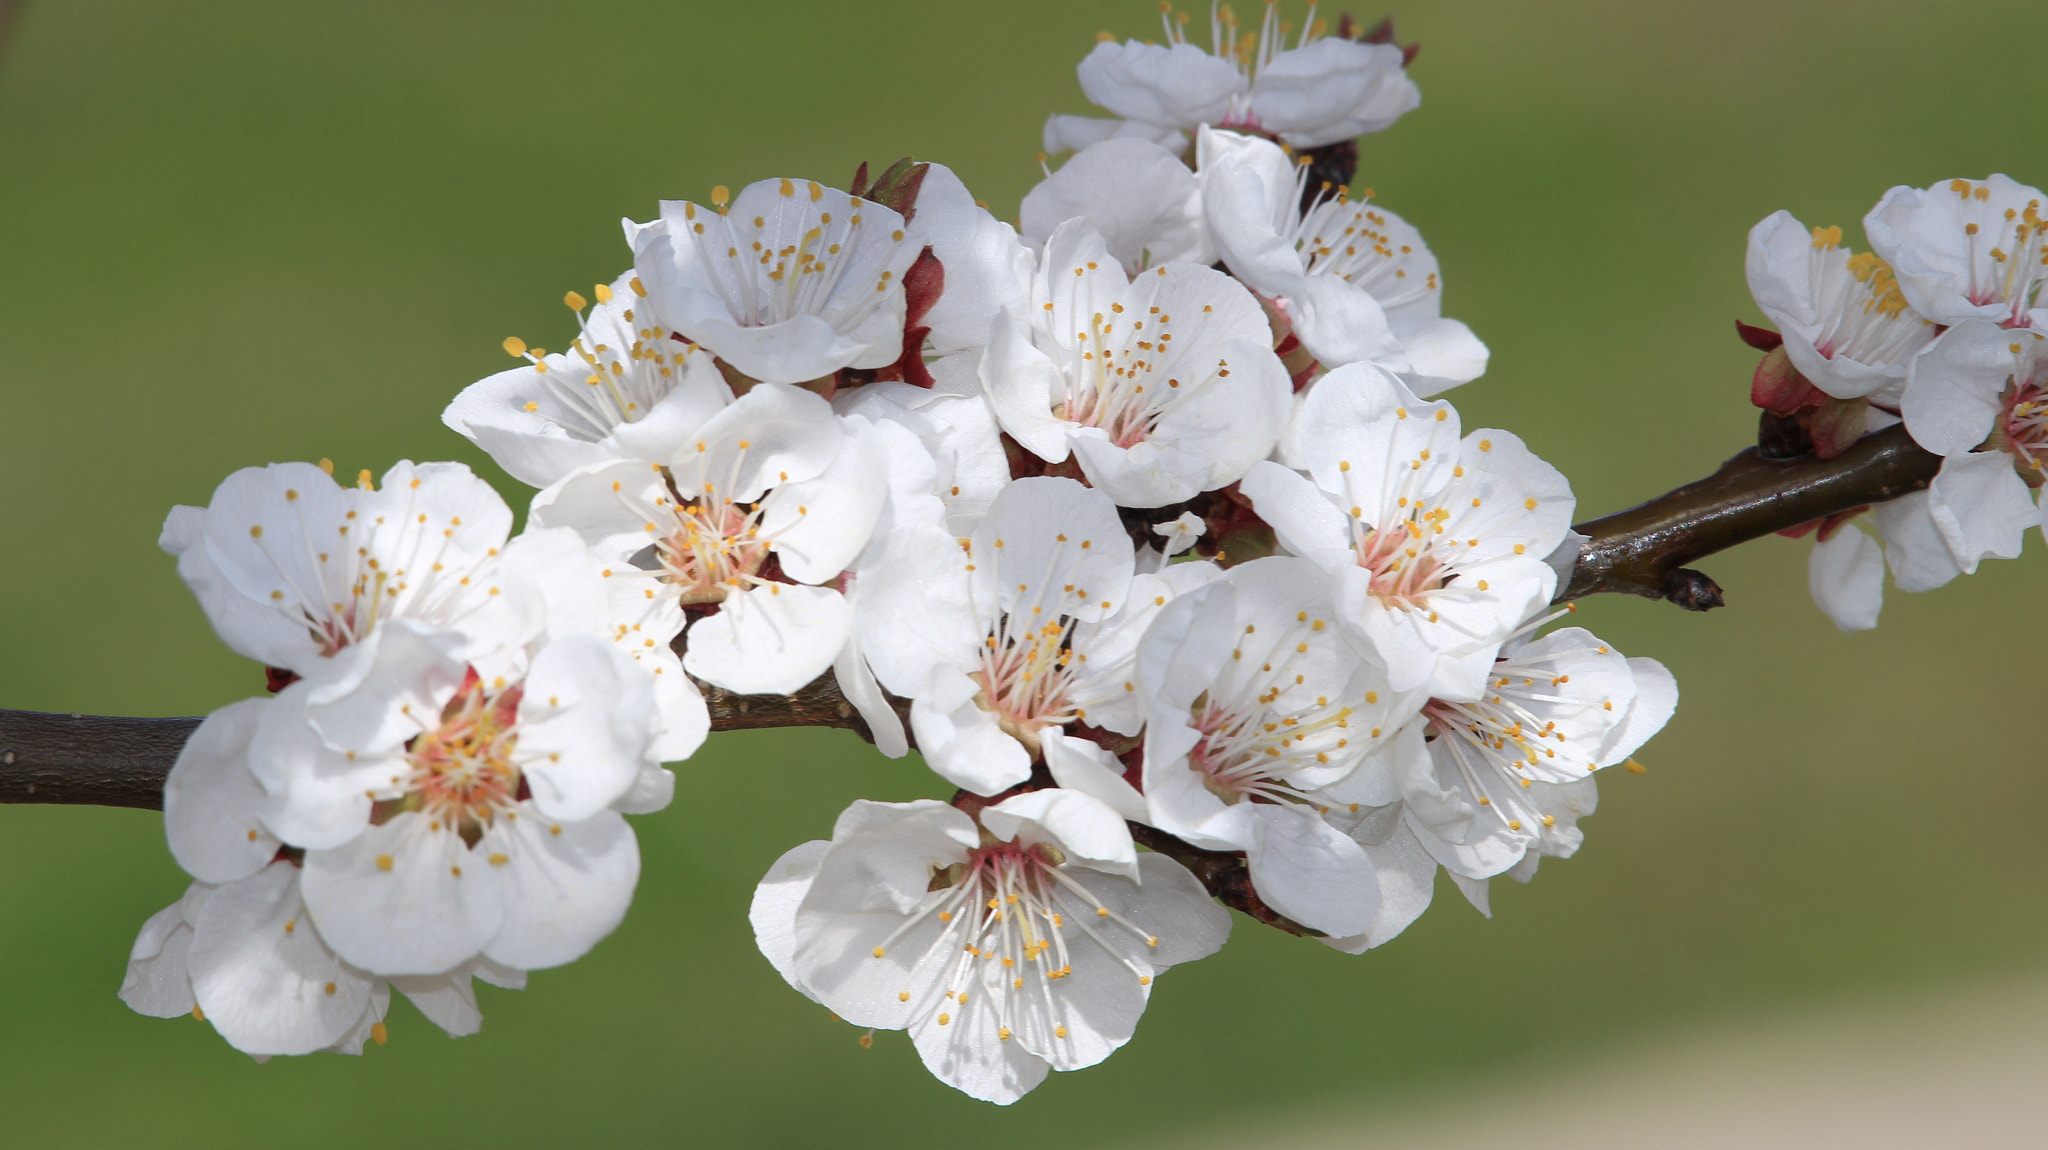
515	347
575	301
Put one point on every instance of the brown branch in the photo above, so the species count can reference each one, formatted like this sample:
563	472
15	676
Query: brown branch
111	761
122	762
1644	550
96	759
819	704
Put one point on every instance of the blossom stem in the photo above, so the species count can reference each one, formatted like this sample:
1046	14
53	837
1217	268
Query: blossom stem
1643	550
122	762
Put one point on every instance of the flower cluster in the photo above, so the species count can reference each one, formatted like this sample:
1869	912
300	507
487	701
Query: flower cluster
1938	326
1138	520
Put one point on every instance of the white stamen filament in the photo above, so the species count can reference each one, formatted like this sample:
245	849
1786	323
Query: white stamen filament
1004	910
1250	52
1863	315
1259	731
1120	375
367	575
603	386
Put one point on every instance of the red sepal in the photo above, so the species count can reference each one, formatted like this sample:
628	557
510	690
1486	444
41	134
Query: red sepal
1837	424
1760	338
1778	387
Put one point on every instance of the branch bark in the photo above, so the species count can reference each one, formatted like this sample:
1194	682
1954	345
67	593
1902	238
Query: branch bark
100	760
1644	550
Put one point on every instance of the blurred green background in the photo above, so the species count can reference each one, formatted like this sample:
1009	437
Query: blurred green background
244	231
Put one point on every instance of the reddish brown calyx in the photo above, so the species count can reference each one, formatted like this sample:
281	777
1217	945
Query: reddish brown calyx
1380	33
896	188
923	282
1830	426
1235	533
1827	527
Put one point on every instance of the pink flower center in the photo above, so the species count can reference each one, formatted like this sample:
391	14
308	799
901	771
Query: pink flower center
462	772
2023	422
1404	567
713	550
1024	676
1114	379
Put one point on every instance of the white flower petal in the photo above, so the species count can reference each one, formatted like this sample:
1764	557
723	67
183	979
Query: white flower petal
262	974
1178	85
773	911
1332	89
1914	548
1140	197
565	885
963	742
1981	507
1952	394
1845	574
158	981
1407	880
770	639
407	897
1311	872
1084	827
212	802
586	726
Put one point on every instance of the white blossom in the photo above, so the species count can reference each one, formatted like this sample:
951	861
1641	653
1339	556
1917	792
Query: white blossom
1491	785
445	817
1555	710
1004	639
1025	944
1437	545
292	568
1966	249
1321	90
789	282
625	389
773	483
1356	281
240	949
1974	396
1255	702
1846	324
1160	387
